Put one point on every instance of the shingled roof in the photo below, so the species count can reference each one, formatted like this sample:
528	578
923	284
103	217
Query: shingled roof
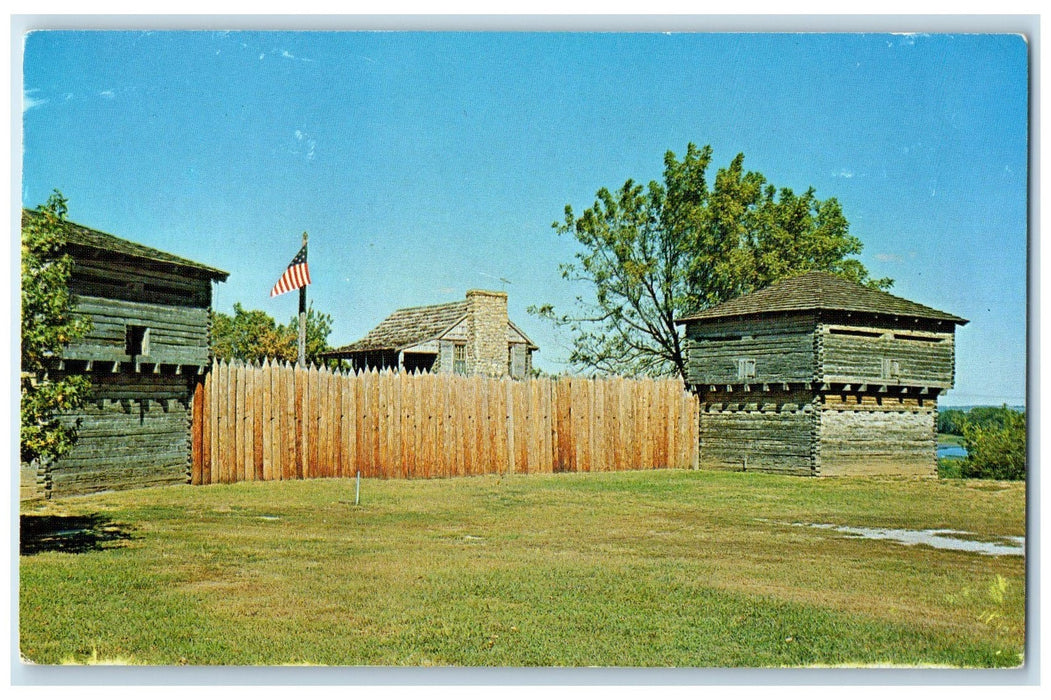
407	327
85	237
820	291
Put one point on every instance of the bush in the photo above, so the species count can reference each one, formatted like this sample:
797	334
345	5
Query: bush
949	468
49	323
996	451
951	421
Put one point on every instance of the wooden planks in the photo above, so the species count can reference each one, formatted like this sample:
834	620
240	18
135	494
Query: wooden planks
137	430
281	422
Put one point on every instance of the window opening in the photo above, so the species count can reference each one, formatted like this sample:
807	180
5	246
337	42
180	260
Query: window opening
856	333
460	358
920	338
136	340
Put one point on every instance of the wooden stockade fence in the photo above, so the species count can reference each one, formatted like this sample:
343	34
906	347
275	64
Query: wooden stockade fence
276	421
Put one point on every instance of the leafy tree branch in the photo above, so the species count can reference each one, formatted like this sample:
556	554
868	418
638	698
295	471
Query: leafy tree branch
48	323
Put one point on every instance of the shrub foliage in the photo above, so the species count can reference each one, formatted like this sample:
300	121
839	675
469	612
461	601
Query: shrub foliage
996	445
250	335
48	324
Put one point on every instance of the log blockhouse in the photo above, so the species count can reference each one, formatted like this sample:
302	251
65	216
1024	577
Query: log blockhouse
147	348
817	375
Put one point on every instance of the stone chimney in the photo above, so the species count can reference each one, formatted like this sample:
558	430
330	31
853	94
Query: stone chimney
487	333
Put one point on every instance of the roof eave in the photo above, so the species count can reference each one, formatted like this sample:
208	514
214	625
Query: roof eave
751	314
529	341
211	272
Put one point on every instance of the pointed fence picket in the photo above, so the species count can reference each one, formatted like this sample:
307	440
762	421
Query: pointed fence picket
276	421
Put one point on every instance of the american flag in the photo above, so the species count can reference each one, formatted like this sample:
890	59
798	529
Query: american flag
297	275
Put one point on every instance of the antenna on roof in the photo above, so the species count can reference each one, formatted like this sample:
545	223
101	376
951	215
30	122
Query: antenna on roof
503	280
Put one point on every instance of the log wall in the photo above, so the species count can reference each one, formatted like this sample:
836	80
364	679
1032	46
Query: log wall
134	433
856	354
870	435
177	335
782	347
114	277
758	431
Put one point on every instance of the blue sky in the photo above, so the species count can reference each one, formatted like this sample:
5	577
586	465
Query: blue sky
426	164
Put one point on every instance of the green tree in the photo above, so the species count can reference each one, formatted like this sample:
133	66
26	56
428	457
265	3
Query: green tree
249	336
996	450
654	253
253	335
995	417
319	326
49	323
951	421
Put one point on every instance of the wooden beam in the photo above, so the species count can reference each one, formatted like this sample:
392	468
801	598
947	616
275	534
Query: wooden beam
89	366
116	367
883	389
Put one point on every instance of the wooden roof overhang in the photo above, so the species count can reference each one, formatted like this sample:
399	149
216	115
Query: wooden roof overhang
367	346
90	243
94	365
826	294
182	269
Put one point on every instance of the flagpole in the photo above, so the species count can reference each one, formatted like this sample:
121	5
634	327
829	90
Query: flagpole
303	319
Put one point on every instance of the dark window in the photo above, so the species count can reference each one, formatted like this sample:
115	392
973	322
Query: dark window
856	333
136	340
419	362
917	338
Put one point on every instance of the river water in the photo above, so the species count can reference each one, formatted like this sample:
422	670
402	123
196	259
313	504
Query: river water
952	451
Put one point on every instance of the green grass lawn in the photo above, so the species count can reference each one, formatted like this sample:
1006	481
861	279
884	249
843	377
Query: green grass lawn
659	568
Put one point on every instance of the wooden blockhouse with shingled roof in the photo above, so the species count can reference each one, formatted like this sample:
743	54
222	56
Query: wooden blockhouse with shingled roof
817	375
472	336
147	348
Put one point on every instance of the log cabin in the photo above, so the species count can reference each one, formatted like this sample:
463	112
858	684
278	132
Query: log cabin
816	375
147	348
